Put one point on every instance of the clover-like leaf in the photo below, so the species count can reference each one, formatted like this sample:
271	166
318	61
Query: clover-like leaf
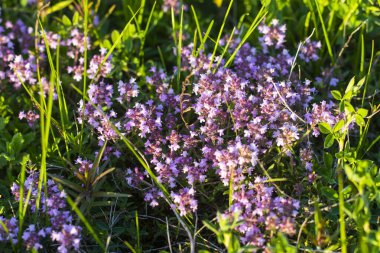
329	141
338	126
324	128
336	94
359	120
362	112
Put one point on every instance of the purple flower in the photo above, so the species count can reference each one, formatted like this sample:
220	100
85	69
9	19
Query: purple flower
185	201
127	90
95	67
84	165
175	4
68	238
308	51
321	113
11	232
54	205
273	35
31	237
30	117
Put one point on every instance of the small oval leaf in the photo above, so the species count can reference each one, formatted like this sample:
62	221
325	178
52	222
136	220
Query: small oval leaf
329	141
75	18
336	94
349	107
359	120
66	21
350	84
338	126
324	128
363	112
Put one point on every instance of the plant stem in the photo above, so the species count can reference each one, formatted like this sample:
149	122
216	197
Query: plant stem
342	224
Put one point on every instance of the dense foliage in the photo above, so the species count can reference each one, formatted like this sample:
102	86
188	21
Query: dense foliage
189	126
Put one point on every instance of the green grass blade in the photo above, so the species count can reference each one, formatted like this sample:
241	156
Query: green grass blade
143	39
179	51
225	49
114	45
21	214
85	222
205	37
141	15
138	232
369	71
220	32
130	247
197	23
5	228
85	53
45	134
259	17
173	27
99	157
325	34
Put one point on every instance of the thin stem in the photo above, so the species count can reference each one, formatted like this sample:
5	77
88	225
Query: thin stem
343	237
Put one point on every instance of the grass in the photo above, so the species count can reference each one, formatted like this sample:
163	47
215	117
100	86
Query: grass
342	203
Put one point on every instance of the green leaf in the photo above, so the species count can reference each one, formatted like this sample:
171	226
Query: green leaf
329	141
23	2
102	175
103	203
57	7
68	183
360	83
66	21
341	106
328	192
328	160
348	95
17	143
349	107
115	35
350	84
336	94
107	44
75	18
110	195
211	227
359	120
324	128
338	126
2	124
362	112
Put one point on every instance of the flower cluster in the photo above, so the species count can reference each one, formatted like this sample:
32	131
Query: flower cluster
54	205
272	36
100	96
68	238
30	117
15	39
175	4
10	232
309	50
261	214
32	237
321	113
306	157
98	67
185	201
223	123
84	165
